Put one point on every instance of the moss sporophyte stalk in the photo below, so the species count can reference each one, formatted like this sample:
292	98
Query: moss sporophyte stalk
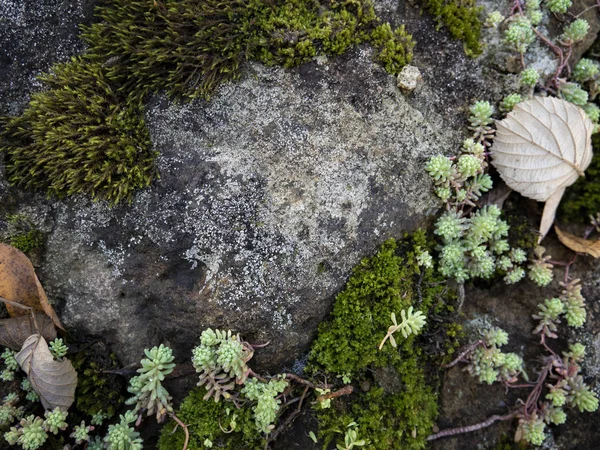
85	132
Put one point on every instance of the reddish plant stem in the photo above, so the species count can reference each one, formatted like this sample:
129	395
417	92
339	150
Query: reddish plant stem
185	430
464	353
257	376
534	396
563	60
299	380
478	426
346	390
543	342
597	5
306	388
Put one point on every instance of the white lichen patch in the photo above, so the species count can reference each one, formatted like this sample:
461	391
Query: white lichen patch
271	193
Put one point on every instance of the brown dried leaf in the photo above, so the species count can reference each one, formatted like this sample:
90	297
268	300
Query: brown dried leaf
541	148
53	381
19	284
578	244
14	331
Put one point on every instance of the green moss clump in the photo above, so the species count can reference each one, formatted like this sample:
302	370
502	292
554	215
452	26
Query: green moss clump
22	234
29	241
386	420
80	136
582	200
206	420
399	409
188	48
462	20
97	391
394	47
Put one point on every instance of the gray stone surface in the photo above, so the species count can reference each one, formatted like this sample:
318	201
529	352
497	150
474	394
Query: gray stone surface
269	194
34	34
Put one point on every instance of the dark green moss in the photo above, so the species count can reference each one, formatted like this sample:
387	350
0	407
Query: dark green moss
399	409
188	48
386	420
22	234
583	198
80	136
206	419
394	47
26	242
97	391
461	18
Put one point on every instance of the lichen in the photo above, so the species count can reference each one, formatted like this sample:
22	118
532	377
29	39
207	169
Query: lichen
461	18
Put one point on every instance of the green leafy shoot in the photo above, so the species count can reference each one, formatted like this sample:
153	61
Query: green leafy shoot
411	324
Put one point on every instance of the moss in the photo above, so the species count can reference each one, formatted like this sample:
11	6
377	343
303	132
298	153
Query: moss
385	420
461	18
80	136
454	334
394	48
86	134
188	48
583	198
97	391
399	409
206	419
22	234
523	233
29	241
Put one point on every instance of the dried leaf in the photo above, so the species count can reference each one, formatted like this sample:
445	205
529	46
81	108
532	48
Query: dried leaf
541	148
19	284
578	244
14	331
53	381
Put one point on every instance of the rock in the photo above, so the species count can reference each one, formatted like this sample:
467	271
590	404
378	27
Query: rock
464	401
409	78
34	34
270	194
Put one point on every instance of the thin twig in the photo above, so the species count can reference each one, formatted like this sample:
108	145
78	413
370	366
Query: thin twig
185	430
306	388
468	429
464	353
346	390
461	295
27	308
299	380
587	9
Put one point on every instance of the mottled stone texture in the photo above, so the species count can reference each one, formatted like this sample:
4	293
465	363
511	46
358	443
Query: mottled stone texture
269	194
